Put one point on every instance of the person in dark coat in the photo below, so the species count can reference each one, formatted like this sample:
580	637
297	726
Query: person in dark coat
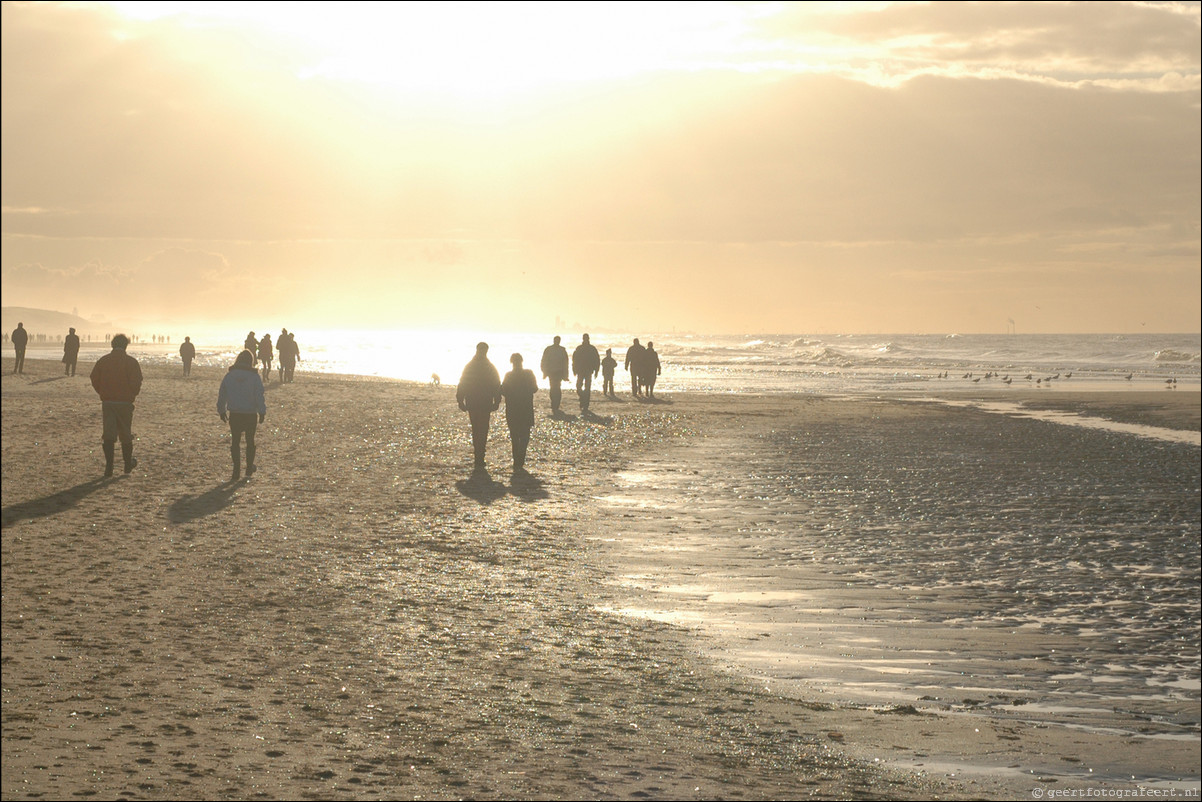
479	395
555	371
586	364
117	379
518	390
634	361
70	352
20	339
187	352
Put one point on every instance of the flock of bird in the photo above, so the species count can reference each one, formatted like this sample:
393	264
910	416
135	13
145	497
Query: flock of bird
1039	381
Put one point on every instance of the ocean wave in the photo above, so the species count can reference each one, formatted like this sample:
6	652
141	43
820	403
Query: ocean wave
1169	355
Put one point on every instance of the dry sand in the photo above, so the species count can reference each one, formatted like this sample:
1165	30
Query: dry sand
365	618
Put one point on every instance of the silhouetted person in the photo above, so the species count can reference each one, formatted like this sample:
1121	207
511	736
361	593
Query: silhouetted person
555	371
289	356
650	369
70	352
117	379
266	355
281	345
608	365
241	395
187	352
518	390
634	357
20	339
251	343
479	394
586	362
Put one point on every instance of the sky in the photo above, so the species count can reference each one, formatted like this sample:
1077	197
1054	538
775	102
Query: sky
640	167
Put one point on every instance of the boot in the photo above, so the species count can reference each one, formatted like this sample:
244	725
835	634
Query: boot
127	452
109	453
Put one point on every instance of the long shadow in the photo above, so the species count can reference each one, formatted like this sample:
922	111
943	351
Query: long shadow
561	415
527	487
481	487
655	400
49	505
189	508
51	379
593	417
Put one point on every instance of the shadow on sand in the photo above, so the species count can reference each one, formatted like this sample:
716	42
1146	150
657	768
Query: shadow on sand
481	487
51	379
189	508
49	505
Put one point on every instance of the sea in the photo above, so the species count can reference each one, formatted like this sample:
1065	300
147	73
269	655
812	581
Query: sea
753	363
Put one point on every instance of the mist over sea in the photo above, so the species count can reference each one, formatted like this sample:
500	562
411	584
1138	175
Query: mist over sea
788	363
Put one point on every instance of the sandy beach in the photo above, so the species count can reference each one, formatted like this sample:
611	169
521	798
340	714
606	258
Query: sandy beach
364	618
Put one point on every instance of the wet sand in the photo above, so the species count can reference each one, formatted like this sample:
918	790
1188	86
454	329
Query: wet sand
367	619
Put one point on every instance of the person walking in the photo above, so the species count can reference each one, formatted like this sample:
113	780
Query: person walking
586	363
70	352
479	395
187	352
633	362
650	369
266	355
117	379
555	370
608	366
20	339
241	404
518	390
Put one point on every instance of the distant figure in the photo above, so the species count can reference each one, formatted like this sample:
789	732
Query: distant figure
266	355
117	379
20	338
518	390
608	365
586	363
289	356
634	359
241	395
251	343
281	345
187	352
479	394
70	352
650	369
435	380
555	371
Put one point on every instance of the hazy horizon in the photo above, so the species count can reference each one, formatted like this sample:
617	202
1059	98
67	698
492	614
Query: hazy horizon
713	168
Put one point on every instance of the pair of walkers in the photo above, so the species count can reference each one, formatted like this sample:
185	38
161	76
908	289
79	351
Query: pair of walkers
117	379
585	364
480	393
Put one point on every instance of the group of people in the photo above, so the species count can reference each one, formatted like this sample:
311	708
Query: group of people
644	366
241	402
481	388
263	353
585	364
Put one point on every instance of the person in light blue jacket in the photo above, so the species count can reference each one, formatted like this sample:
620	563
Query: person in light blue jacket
241	402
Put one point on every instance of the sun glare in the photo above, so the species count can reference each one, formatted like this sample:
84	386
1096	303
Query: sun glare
480	49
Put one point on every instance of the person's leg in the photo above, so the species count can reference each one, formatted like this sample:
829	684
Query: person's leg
110	452
124	414
235	446
521	441
556	395
479	419
251	425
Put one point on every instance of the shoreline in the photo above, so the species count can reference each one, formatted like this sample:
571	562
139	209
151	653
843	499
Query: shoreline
367	618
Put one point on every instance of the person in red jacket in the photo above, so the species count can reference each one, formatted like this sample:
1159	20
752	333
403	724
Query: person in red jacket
117	379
